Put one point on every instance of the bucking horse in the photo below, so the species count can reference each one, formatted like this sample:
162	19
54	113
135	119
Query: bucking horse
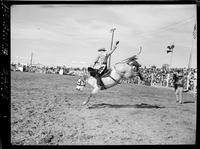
127	68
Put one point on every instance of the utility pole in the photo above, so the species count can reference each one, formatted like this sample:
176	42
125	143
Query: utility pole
31	59
172	51
109	60
171	59
191	51
190	57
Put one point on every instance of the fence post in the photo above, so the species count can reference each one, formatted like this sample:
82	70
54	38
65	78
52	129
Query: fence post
188	81
168	75
152	79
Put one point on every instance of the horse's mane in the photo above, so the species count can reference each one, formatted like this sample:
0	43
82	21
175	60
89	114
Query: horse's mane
131	59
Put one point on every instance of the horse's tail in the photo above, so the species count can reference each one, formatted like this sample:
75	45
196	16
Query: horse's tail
139	51
133	58
132	61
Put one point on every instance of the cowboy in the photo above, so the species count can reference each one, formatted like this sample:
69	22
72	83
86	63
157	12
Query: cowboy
101	61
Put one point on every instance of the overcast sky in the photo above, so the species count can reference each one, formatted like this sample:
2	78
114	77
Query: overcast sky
70	35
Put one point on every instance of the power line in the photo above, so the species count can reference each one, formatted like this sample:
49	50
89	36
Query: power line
179	22
169	27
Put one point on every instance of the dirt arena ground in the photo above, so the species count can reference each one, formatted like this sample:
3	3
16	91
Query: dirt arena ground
46	110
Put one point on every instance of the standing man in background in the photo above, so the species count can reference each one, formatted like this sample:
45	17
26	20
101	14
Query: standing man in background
178	86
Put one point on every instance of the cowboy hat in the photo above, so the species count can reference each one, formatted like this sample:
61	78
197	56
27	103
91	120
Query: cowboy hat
103	49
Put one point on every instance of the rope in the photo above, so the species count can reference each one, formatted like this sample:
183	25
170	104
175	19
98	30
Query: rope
114	80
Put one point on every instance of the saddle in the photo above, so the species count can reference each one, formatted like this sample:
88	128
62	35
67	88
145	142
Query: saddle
94	73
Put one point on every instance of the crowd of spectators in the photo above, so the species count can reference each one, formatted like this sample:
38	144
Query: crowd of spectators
161	77
38	68
152	76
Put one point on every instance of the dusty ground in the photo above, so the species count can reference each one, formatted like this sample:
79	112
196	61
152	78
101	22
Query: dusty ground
46	110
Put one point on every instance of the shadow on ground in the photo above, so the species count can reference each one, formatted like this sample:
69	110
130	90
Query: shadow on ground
142	105
188	102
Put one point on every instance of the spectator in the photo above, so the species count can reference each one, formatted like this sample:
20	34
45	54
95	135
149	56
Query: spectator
178	86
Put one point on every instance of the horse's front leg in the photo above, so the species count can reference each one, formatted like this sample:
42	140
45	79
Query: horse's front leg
88	99
94	91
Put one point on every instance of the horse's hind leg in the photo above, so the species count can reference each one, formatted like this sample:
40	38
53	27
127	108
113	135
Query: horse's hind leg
94	91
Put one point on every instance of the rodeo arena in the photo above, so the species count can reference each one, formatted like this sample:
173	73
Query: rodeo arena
49	109
123	103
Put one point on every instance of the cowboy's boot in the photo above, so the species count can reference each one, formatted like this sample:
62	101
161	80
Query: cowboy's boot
99	82
98	79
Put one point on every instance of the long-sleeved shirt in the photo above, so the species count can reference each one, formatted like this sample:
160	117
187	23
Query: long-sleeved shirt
102	58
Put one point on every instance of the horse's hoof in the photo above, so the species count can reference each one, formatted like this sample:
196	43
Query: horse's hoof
84	103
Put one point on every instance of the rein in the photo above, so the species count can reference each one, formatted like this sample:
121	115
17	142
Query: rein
118	82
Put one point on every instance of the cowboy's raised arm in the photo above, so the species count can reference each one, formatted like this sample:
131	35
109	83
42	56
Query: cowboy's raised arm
115	47
96	60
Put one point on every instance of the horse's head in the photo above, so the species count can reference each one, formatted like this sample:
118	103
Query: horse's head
132	61
81	82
